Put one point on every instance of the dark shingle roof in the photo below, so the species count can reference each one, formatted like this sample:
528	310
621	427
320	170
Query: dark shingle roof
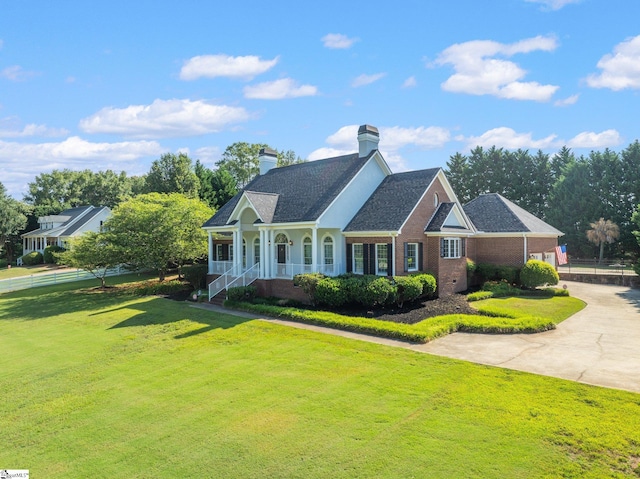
437	221
392	202
493	213
304	190
82	221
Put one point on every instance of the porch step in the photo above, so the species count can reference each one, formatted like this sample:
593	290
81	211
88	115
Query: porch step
219	298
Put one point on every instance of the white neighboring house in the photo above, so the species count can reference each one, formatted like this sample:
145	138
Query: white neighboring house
58	229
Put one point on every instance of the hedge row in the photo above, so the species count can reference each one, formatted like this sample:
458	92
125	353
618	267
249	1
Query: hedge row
365	290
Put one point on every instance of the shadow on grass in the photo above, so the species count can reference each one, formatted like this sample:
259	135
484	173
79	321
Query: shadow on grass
160	311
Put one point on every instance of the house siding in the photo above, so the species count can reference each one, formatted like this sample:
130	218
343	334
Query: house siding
413	229
509	251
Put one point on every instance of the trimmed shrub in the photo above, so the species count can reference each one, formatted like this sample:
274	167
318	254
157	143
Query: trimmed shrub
32	259
380	291
471	267
497	272
150	288
538	273
196	275
501	288
308	282
49	256
408	288
242	293
479	295
329	291
428	284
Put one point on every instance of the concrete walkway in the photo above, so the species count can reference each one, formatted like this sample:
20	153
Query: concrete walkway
599	345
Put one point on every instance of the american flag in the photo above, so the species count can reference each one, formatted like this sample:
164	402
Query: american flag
561	254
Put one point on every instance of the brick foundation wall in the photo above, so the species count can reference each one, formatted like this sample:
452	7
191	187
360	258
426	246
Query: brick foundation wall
280	288
452	276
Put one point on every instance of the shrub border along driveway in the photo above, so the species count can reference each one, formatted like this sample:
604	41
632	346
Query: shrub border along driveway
597	345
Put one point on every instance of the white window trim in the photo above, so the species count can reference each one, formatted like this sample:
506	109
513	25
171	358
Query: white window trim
415	258
307	241
458	248
333	250
353	258
256	247
378	272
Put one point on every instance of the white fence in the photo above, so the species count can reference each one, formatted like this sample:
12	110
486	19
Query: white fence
48	279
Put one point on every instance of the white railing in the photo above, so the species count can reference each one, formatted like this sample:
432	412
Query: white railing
246	278
234	276
289	270
220	267
48	279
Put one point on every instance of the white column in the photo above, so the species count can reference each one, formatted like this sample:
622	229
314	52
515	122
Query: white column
314	249
210	262
262	254
393	255
270	246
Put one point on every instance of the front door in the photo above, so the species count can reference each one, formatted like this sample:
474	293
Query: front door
282	259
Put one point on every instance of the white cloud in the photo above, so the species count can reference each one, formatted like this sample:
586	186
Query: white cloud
212	66
621	69
508	138
164	118
553	4
590	139
478	71
504	137
365	79
410	82
571	100
21	162
208	155
338	41
279	89
10	128
16	73
392	141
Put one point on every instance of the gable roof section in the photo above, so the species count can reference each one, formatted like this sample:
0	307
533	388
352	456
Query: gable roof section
447	219
73	215
493	213
83	220
304	190
392	202
264	204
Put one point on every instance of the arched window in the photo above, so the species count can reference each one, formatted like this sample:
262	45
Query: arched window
327	253
281	238
436	200
307	254
256	251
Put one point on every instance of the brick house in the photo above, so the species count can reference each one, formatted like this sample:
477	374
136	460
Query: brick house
352	214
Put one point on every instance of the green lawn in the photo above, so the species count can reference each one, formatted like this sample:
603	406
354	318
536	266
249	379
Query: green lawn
16	271
103	385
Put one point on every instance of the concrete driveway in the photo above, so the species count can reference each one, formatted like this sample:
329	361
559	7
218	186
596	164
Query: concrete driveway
599	345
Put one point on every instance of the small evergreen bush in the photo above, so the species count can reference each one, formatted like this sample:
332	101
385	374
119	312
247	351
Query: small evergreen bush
538	273
408	288
501	288
32	259
49	256
479	295
242	293
196	275
308	282
329	292
428	284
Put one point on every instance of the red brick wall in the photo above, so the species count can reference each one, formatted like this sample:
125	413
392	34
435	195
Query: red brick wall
509	251
280	288
452	276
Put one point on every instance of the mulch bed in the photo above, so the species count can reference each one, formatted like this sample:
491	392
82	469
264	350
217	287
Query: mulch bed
416	312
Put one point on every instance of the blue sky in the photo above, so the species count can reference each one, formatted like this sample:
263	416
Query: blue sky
113	85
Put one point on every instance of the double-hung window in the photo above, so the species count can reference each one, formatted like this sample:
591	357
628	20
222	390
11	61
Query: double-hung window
358	258
411	257
450	248
382	263
307	253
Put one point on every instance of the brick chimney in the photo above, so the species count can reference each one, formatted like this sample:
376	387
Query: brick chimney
368	139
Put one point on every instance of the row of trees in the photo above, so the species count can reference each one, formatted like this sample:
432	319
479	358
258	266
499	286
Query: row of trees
58	190
566	191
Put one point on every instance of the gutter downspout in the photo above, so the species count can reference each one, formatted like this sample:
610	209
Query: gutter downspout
524	236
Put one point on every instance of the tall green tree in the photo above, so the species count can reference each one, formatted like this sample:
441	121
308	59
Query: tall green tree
241	161
289	157
156	230
13	219
173	173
